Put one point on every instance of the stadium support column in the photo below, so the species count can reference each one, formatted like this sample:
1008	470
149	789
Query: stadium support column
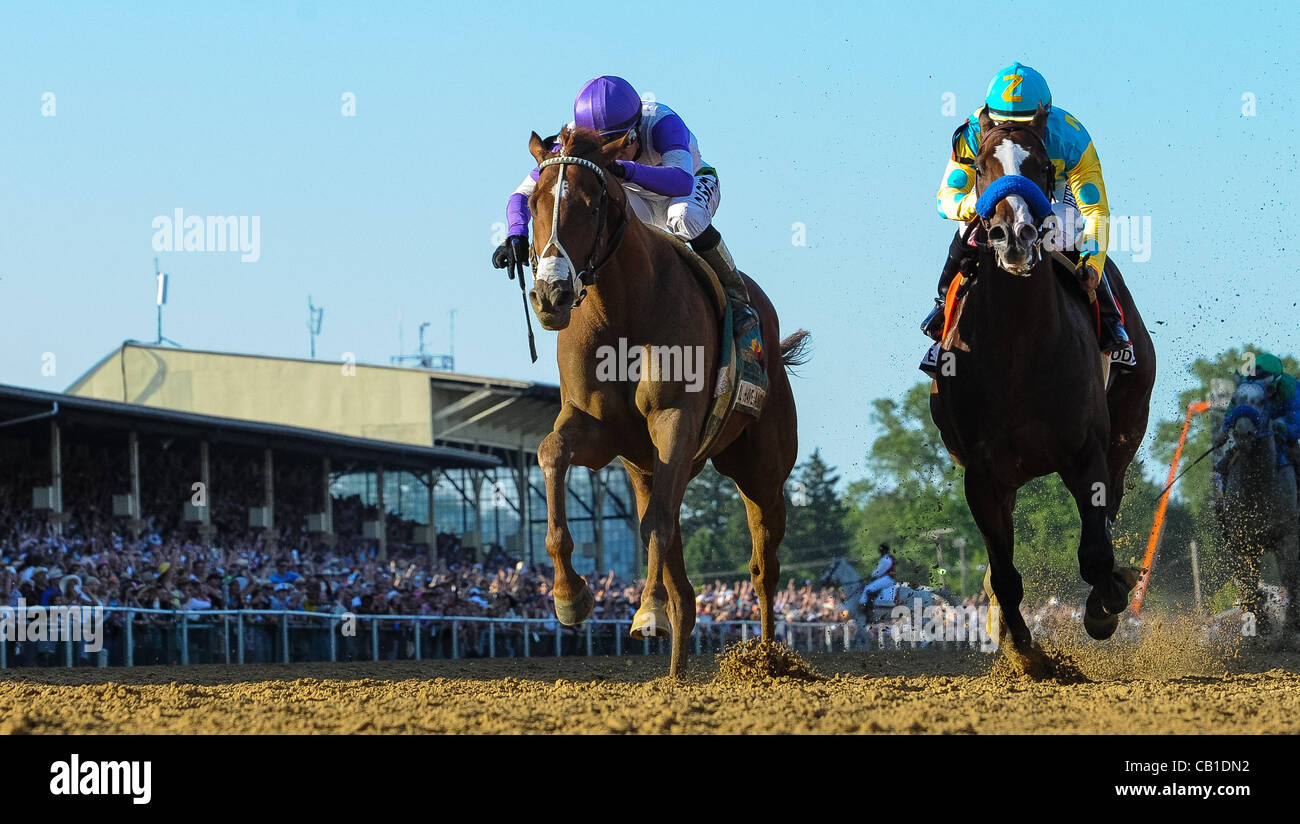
326	505
433	521
205	475
476	478
268	492
383	515
525	511
56	475
136	522
598	517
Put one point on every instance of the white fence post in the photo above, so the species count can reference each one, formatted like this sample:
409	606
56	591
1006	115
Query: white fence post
185	638
334	638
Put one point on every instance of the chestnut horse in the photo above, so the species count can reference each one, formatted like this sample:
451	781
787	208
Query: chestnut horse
635	290
1022	394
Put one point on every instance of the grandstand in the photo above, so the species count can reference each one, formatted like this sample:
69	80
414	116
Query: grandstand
447	450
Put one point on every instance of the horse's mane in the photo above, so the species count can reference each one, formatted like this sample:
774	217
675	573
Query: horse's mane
580	142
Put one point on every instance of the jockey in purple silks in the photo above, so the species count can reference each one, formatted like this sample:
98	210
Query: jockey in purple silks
668	185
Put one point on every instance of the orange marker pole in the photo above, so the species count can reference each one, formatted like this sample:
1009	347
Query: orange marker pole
1194	408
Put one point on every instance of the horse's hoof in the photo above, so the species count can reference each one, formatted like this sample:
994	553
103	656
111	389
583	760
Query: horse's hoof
1099	623
577	609
1130	576
1113	598
651	622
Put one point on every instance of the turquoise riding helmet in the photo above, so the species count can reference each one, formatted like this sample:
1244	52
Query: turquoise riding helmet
1015	92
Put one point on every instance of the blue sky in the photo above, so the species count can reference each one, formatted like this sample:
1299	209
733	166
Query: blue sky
827	115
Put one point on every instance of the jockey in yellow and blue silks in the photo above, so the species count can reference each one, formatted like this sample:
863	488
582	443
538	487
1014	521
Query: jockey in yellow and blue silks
1079	202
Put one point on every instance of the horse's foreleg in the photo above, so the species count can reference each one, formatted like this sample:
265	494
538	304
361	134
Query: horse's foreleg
674	447
573	441
991	508
1090	484
651	618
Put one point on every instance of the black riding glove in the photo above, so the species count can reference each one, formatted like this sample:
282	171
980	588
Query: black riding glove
512	255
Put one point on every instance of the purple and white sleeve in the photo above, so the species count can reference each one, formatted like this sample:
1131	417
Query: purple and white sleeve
676	177
517	207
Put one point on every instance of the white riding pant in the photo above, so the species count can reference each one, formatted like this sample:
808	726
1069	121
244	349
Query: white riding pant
686	217
1066	227
880	585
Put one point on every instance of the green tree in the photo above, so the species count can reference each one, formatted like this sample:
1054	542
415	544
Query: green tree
715	537
912	489
815	530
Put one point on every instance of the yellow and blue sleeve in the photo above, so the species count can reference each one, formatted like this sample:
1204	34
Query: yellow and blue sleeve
1089	190
956	198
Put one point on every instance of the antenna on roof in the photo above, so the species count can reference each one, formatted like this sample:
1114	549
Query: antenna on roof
315	315
422	357
161	299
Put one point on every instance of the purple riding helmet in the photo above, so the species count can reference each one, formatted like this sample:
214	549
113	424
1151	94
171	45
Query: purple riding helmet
608	105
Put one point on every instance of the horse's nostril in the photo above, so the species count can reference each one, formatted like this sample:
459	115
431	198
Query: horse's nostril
1026	234
998	235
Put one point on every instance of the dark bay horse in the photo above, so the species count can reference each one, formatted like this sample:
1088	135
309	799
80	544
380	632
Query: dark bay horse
1259	512
1022	395
635	290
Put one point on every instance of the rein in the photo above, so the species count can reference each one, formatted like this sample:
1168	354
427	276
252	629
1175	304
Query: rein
581	278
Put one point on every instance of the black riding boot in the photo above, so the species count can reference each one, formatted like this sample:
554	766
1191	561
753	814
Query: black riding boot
1114	338
959	253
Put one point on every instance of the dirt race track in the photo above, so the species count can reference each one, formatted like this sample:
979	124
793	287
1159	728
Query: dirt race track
1126	690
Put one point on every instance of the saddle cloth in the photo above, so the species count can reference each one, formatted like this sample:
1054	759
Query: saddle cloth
742	381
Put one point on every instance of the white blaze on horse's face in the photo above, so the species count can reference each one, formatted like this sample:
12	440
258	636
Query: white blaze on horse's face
557	267
1011	154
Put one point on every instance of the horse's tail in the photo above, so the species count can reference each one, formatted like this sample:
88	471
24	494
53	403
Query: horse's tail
794	349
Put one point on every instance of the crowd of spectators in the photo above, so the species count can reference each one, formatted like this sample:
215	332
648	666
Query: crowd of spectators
43	568
163	563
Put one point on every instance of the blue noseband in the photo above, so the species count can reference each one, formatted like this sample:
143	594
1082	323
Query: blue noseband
1039	206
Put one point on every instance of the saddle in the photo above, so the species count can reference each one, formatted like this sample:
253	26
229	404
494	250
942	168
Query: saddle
742	381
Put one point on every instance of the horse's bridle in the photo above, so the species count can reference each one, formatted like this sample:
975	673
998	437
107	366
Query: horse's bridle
1048	183
585	276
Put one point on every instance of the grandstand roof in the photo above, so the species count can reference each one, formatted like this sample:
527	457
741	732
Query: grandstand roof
401	404
17	402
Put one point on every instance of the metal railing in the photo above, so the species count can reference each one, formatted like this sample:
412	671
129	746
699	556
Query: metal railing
138	636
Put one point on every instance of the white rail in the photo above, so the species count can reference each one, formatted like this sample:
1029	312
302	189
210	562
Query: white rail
229	629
